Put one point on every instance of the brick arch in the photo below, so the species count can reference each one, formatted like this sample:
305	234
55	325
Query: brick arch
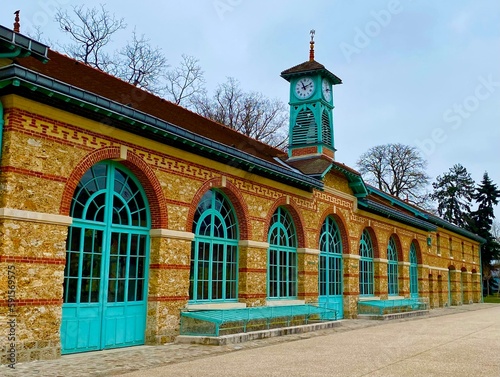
142	171
373	236
463	269
234	196
340	221
399	247
418	250
296	217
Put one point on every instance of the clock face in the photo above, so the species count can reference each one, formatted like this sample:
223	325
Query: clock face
304	88
326	90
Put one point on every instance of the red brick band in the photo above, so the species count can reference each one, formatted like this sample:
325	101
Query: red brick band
32	302
160	266
17	259
252	295
50	177
167	298
256	270
308	273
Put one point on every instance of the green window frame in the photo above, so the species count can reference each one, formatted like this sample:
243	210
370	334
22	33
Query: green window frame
392	268
330	259
214	251
413	271
282	257
366	274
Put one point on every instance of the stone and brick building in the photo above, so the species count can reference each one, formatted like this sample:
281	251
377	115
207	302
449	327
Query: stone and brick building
118	209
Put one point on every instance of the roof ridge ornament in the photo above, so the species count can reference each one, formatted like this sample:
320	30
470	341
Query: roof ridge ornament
17	25
311	51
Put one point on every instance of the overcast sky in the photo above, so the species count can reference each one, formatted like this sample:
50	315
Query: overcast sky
422	73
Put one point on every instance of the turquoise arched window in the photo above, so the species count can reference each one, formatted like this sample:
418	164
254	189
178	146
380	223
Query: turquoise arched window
282	256
330	259
214	252
413	271
392	267
366	265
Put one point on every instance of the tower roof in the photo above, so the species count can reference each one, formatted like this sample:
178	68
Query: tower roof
307	68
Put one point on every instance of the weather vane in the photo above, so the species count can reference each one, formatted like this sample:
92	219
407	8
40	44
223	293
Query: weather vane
311	51
17	25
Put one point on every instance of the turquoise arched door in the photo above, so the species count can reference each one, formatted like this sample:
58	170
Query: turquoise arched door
105	279
413	272
330	267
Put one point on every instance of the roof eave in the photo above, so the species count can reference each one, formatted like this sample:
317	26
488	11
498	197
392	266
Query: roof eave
397	202
333	78
388	212
454	228
19	45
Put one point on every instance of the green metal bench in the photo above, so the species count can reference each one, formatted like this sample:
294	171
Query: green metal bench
381	307
209	322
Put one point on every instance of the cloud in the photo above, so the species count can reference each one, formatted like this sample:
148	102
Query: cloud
461	22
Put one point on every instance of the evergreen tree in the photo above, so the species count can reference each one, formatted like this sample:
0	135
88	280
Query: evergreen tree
486	196
454	192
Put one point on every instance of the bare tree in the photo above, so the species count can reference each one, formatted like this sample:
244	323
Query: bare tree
140	64
396	169
37	35
250	113
185	81
90	32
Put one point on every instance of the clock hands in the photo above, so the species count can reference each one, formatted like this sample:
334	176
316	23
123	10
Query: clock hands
304	87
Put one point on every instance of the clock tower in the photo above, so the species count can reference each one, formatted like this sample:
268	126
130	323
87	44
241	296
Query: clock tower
311	109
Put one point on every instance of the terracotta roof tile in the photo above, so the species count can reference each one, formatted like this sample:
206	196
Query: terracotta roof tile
311	65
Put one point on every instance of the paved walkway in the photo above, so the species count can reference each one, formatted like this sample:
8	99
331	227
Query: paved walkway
463	341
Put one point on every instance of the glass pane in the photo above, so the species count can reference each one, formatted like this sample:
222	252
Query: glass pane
112	290
140	289
120	212
71	287
95	290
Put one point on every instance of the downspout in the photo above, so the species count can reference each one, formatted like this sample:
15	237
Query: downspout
11	54
481	270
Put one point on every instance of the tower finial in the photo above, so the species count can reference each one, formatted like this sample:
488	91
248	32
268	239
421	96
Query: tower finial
311	51
17	25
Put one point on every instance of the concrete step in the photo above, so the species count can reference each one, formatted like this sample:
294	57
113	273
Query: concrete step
255	335
387	317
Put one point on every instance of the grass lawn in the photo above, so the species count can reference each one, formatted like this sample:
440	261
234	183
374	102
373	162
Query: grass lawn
492	299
